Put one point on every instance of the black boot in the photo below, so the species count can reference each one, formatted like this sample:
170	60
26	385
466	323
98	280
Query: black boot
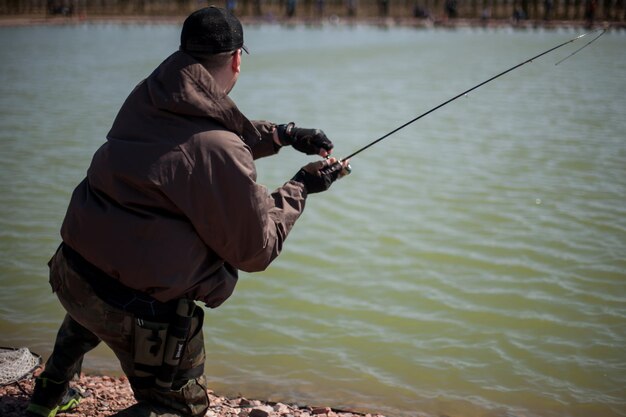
50	397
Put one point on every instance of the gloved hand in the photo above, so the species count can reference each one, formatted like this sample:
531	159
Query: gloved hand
319	175
308	141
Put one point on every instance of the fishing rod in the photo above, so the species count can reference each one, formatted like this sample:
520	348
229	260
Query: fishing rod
529	60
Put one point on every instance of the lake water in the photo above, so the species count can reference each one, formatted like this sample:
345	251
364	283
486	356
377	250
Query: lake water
473	264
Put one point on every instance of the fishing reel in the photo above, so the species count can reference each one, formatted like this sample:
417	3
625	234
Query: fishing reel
346	168
343	166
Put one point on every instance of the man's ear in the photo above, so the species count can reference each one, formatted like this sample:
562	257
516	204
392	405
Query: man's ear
236	62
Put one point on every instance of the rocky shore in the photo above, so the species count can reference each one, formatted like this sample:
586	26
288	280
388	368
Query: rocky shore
105	395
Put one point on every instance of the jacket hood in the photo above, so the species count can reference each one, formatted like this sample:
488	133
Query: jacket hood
181	85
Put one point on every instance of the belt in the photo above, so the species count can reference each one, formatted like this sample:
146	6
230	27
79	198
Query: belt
116	294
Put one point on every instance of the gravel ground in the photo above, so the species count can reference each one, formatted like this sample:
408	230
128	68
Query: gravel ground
105	395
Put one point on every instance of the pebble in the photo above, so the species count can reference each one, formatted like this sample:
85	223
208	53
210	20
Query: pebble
260	412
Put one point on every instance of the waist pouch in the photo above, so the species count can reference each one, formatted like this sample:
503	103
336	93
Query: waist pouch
149	342
158	348
116	294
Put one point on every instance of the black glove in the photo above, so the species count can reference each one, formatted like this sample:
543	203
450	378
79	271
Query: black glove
319	175
308	141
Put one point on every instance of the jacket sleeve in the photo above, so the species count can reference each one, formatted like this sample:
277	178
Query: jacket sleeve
234	215
267	146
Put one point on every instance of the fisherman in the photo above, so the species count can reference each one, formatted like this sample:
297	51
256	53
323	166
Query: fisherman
168	213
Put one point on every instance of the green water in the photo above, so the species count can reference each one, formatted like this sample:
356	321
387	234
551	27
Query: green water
474	264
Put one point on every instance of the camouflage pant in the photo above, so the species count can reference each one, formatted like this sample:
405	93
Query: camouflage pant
90	320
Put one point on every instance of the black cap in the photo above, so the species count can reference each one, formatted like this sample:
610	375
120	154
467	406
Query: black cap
211	30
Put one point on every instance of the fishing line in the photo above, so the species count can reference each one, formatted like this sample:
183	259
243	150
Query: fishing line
582	47
529	60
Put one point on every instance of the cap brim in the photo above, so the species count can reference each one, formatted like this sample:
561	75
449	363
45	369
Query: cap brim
245	48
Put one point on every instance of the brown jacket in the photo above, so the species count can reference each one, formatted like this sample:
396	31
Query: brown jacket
170	205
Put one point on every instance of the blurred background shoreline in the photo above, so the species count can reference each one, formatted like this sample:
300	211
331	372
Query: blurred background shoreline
522	14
